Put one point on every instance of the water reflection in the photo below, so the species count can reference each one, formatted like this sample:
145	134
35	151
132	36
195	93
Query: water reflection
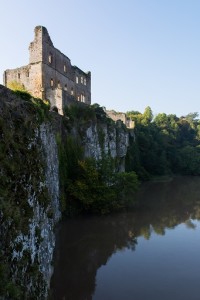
85	244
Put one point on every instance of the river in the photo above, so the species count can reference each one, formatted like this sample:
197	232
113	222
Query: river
150	253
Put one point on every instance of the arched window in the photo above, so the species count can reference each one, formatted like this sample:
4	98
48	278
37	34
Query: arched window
65	68
76	79
82	97
18	75
72	91
50	58
51	82
65	88
85	82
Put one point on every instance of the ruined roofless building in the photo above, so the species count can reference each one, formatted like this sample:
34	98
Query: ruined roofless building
50	75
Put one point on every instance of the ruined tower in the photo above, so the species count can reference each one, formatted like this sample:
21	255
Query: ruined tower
50	75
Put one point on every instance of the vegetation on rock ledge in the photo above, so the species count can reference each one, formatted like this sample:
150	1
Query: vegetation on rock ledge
21	177
89	185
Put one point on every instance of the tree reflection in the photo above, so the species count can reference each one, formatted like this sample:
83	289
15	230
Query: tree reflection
190	224
85	244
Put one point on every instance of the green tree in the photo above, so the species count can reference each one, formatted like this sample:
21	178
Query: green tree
147	116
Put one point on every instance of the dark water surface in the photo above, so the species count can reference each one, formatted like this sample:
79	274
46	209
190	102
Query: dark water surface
149	254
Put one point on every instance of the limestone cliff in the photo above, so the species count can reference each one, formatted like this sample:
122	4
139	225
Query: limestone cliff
102	139
30	187
29	199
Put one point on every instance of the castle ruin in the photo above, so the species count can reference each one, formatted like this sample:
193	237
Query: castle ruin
115	116
50	75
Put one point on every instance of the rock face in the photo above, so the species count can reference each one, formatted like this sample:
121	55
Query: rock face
29	200
103	139
40	238
29	191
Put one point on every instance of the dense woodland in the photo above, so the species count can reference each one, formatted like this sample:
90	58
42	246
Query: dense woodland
164	144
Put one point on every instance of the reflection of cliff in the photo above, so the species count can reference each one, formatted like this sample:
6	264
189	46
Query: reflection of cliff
85	244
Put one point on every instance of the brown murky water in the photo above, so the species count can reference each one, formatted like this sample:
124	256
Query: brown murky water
152	253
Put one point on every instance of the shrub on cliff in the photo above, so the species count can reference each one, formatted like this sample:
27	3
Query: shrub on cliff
97	192
42	106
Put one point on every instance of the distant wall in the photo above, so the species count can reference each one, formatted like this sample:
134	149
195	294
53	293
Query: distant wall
29	76
115	116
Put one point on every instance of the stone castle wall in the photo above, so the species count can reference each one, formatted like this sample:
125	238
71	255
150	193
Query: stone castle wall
50	76
30	77
49	70
115	116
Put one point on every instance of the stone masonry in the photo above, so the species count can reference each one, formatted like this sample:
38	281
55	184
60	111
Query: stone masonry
50	75
115	116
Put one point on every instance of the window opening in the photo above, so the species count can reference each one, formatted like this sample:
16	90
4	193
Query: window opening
50	58
82	97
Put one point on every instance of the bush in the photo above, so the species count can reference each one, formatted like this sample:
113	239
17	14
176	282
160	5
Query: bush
99	192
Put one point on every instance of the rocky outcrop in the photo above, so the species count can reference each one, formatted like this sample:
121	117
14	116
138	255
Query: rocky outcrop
103	139
30	191
40	238
29	199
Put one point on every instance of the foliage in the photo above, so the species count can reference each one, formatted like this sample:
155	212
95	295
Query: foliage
16	86
99	192
70	152
86	185
191	117
21	177
190	160
7	287
42	106
100	112
81	114
126	184
164	145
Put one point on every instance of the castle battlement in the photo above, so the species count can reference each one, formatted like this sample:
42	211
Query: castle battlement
50	75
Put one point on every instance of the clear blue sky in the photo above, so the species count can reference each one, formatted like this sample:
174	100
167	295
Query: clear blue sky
140	52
